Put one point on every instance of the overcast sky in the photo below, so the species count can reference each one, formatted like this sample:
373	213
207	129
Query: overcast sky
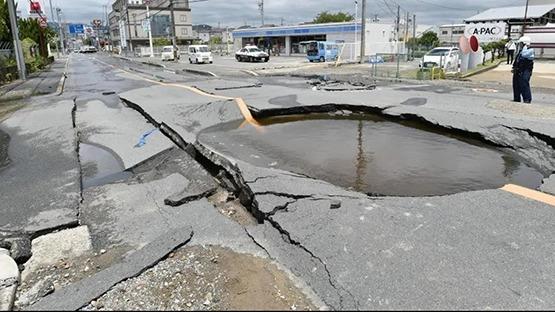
241	12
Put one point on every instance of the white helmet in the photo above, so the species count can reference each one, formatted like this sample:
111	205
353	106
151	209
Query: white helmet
525	39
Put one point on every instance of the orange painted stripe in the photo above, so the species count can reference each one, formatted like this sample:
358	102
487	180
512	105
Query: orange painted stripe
530	194
243	108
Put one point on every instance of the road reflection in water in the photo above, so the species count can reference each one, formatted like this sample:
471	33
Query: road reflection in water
370	154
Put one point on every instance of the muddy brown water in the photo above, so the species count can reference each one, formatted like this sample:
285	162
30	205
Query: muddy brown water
100	166
372	155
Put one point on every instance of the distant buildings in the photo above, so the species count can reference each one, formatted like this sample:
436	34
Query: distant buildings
128	18
288	40
449	34
204	33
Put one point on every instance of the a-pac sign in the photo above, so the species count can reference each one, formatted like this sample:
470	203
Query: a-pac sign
486	32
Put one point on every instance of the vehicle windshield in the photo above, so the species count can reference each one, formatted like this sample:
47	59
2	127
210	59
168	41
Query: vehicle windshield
202	49
167	50
438	52
254	50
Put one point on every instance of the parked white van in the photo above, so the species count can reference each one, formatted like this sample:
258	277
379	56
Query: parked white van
167	53
200	54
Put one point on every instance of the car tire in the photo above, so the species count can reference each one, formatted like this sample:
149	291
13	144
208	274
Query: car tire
322	59
211	62
266	60
238	58
190	61
251	59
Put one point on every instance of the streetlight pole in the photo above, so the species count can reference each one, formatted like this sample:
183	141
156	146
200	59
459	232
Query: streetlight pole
356	35
16	43
363	33
61	33
149	30
525	18
54	20
174	36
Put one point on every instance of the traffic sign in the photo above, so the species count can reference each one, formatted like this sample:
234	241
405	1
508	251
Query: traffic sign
146	24
76	29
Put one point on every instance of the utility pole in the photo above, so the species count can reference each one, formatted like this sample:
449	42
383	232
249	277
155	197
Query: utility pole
405	38
109	48
174	38
61	32
261	8
149	29
413	35
354	49
397	35
363	33
16	43
54	20
525	18
129	26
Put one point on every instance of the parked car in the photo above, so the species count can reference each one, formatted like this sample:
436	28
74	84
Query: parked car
87	49
251	54
200	54
168	53
442	56
321	51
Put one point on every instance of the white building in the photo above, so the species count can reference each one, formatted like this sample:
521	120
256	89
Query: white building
450	34
127	20
380	37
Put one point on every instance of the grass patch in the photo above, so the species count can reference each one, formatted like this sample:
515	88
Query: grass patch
483	67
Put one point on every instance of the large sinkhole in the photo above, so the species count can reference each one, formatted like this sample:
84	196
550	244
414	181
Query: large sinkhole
372	155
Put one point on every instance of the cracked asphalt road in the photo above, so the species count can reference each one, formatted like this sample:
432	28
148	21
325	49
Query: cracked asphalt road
332	247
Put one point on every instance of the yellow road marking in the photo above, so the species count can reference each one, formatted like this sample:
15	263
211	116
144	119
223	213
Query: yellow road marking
530	194
243	108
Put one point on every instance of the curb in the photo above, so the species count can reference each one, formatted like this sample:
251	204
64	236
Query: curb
481	70
250	72
200	72
154	64
62	83
123	58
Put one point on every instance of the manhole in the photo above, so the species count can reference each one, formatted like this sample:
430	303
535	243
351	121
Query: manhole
372	155
99	166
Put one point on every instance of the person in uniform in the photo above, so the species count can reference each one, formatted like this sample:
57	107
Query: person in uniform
522	71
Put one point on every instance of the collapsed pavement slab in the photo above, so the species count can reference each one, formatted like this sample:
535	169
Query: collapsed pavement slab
119	129
184	111
41	185
548	185
80	294
478	250
9	279
133	212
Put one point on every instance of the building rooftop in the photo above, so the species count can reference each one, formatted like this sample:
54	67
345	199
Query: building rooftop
514	13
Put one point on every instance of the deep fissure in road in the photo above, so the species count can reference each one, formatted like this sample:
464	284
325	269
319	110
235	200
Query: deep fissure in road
369	154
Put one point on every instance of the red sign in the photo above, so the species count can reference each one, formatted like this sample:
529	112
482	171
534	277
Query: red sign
35	8
474	44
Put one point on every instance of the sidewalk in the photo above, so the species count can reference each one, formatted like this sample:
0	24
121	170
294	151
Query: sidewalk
543	77
44	82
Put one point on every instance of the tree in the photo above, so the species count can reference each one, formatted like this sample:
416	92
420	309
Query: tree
327	17
429	39
161	42
5	28
216	40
